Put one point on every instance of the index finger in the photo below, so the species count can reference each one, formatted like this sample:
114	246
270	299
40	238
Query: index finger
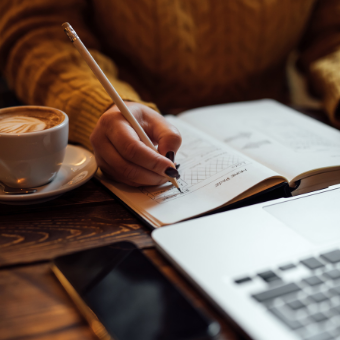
160	131
132	149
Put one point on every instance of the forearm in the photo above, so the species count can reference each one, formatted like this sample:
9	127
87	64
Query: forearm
43	68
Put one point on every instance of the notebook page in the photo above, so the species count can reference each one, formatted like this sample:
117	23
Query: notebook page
211	172
284	140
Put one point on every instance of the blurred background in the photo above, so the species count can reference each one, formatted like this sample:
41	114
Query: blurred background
300	97
7	98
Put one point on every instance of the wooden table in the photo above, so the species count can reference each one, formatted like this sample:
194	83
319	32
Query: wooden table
33	305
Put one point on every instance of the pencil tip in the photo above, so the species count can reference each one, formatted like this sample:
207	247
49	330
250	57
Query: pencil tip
179	190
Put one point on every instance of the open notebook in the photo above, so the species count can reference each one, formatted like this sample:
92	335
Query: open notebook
233	151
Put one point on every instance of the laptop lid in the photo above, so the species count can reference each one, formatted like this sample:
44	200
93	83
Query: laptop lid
214	251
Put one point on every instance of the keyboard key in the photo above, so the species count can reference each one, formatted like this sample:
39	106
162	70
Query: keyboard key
318	297
320	336
290	296
287	266
296	304
312	263
335	310
319	317
276	292
291	323
335	290
269	276
313	280
308	310
333	274
243	279
332	256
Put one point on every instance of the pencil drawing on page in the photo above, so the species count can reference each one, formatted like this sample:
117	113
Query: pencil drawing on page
201	164
265	131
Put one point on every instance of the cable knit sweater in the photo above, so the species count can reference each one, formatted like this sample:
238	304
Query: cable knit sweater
176	54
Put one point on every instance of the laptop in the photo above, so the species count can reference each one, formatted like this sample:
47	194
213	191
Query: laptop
274	267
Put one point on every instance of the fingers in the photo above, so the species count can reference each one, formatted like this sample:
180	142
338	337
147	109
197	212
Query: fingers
129	146
121	155
161	132
123	171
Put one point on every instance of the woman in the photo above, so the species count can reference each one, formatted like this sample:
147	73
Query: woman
175	54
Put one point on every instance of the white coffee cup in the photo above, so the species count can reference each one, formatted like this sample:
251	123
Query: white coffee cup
28	157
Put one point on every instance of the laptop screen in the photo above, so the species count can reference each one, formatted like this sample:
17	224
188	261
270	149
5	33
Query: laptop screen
316	217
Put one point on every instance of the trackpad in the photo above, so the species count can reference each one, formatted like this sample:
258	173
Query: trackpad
315	217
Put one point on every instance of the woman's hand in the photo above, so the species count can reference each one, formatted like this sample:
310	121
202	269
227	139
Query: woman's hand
123	157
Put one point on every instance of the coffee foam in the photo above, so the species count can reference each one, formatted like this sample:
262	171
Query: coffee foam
21	124
29	121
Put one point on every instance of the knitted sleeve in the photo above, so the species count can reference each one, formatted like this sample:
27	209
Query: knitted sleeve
43	68
320	55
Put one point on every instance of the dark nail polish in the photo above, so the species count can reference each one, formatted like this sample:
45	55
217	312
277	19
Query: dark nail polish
177	166
170	155
172	172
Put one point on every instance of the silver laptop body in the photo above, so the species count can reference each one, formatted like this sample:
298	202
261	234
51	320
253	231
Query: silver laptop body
274	267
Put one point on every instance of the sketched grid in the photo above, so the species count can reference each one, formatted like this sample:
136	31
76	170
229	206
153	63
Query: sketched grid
203	172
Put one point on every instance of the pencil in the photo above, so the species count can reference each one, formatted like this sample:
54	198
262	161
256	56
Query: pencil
70	32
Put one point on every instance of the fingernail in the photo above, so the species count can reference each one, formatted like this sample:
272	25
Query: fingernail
172	172
170	155
177	166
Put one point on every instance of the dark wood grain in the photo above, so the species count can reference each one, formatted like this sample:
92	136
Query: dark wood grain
91	193
40	236
35	306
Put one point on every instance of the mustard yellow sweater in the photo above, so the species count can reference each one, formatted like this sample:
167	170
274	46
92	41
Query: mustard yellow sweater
177	54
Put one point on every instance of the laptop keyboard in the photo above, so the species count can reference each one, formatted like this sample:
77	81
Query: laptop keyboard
310	305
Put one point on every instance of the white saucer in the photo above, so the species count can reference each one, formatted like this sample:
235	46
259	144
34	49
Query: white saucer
78	167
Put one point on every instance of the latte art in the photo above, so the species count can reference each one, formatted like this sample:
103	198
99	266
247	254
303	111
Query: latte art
33	141
30	120
21	124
